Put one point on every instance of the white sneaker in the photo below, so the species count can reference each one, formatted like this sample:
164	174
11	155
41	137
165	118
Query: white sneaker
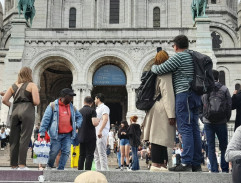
121	168
23	168
2	149
129	169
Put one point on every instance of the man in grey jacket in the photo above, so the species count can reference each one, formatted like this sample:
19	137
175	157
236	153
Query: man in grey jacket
233	154
215	114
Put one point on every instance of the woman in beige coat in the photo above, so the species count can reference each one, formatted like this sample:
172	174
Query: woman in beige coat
159	122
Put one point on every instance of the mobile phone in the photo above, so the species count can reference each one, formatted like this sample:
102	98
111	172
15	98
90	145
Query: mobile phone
158	49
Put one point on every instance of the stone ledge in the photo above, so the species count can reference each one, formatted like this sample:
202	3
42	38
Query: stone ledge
142	176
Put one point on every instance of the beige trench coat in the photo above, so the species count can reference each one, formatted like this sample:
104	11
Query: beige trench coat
156	125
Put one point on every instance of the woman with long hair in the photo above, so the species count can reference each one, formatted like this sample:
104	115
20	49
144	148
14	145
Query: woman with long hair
134	132
124	144
25	96
159	122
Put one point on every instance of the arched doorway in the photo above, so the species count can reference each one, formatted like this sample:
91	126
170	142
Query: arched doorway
53	79
111	81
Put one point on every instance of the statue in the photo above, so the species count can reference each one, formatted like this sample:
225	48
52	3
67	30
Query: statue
28	9
198	8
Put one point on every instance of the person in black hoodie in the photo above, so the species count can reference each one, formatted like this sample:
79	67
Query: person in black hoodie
124	144
236	104
134	132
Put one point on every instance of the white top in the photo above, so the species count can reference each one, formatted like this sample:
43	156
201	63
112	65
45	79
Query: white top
7	130
101	110
111	134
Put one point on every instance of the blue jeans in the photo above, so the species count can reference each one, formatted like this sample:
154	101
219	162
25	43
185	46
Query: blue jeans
187	105
63	143
124	142
135	164
119	158
221	131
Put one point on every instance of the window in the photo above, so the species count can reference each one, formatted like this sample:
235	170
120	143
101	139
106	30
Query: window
216	40
72	18
213	2
237	86
156	17
222	77
114	11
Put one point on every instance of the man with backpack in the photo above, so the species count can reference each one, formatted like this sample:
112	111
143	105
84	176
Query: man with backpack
187	103
215	114
62	120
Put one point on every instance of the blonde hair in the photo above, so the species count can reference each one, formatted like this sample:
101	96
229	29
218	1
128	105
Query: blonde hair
25	75
161	57
91	177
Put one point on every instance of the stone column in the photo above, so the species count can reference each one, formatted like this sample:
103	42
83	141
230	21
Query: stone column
81	90
131	92
77	98
204	39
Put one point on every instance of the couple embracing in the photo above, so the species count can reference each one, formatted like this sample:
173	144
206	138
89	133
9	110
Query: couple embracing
178	105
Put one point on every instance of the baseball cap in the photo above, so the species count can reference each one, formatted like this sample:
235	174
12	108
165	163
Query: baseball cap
67	91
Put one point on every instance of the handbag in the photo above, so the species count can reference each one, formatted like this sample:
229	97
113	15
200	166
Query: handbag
8	122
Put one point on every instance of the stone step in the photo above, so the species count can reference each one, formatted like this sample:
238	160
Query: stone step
116	176
142	176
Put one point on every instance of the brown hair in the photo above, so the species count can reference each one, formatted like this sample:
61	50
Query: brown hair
161	57
25	75
133	118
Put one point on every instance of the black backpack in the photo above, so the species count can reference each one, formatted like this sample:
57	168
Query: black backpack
216	105
146	91
203	81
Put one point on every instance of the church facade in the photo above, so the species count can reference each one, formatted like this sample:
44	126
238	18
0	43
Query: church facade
104	46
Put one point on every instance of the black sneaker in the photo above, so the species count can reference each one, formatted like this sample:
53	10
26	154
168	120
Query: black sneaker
181	168
196	168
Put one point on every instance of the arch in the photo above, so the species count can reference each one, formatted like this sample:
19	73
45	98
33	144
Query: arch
156	17
110	75
148	58
102	57
72	18
44	59
225	28
226	72
234	82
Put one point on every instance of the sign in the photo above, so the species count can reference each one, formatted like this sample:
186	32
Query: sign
109	75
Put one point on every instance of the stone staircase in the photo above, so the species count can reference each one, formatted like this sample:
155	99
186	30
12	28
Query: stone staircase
54	176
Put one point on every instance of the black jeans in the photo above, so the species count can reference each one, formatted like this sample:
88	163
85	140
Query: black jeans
86	154
158	153
236	171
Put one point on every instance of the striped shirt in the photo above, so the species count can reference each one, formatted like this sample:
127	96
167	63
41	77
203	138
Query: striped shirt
181	65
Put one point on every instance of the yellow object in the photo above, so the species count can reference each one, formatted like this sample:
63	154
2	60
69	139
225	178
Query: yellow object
74	156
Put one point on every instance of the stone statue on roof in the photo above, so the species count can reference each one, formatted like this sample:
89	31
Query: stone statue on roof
27	8
198	8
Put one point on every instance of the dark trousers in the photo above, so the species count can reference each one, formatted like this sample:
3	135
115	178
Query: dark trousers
158	153
22	122
236	171
3	143
222	133
86	154
187	105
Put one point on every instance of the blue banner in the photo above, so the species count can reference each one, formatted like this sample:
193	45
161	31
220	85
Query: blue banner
109	75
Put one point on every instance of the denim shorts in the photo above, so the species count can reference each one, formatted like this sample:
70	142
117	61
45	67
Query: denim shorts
124	142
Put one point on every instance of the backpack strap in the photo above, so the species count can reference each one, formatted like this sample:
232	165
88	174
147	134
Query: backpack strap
52	104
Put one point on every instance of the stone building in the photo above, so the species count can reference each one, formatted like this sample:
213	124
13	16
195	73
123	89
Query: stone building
105	45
